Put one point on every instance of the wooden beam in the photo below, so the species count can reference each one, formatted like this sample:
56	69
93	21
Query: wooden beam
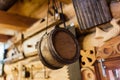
35	29
65	1
15	22
37	10
4	38
38	27
28	7
41	12
6	31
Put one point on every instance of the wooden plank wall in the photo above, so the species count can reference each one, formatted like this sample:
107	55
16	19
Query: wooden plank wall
69	11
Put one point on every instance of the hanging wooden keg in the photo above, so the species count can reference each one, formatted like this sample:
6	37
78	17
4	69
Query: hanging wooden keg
58	48
91	13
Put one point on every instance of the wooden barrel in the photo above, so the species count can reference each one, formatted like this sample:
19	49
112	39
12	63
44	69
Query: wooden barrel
58	48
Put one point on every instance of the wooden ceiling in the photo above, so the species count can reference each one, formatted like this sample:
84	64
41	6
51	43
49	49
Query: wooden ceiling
12	23
21	16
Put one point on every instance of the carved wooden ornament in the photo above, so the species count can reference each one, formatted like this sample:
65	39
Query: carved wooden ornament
88	74
110	49
88	58
111	33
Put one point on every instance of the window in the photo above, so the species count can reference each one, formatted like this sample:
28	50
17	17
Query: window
1	58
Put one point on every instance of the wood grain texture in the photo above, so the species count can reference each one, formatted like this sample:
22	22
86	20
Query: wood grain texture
15	22
6	31
88	58
41	13
65	1
35	29
36	69
88	74
110	49
91	13
4	38
27	7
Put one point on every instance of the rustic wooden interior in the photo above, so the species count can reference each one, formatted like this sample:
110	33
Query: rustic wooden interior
23	24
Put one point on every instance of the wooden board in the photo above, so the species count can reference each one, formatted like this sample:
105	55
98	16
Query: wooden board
15	22
29	46
35	29
91	13
110	49
4	38
36	69
6	31
29	7
65	1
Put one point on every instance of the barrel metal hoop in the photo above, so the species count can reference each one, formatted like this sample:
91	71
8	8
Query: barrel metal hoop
42	59
55	53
